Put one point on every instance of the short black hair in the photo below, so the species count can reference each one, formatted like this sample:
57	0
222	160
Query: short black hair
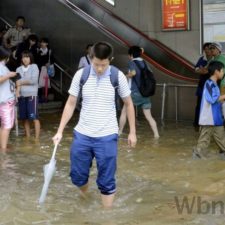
135	51
33	37
4	53
45	40
213	66
205	45
102	50
20	18
88	46
29	55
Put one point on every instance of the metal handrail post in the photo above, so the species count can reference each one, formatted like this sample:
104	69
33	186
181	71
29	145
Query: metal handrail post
4	21
163	102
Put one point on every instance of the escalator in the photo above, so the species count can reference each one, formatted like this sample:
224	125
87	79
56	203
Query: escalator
88	22
156	53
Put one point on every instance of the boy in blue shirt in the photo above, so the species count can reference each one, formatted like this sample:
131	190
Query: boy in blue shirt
211	118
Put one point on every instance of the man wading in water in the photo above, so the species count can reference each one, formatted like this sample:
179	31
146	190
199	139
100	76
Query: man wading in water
96	134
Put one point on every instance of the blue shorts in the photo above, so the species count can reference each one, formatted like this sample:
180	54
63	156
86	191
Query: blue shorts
104	149
28	108
140	101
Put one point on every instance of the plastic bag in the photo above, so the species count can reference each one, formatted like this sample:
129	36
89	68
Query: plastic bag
51	70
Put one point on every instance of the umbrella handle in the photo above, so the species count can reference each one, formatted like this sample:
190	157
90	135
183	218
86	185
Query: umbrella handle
54	151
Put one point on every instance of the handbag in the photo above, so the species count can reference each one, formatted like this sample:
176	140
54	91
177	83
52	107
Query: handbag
50	67
51	70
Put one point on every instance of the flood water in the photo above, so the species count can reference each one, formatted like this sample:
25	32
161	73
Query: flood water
149	179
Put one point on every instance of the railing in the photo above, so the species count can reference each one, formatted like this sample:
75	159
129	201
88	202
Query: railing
5	22
165	86
62	76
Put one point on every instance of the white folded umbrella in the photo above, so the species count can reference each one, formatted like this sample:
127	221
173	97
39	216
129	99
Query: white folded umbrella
49	170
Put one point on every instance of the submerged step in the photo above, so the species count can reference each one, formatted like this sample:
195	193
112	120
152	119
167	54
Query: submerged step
50	107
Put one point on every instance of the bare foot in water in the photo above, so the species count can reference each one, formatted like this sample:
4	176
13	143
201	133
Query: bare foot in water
5	150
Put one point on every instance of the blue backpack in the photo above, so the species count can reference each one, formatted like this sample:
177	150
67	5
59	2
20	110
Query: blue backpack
113	79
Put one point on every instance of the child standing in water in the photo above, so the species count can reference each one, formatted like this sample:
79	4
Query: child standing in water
7	99
211	118
27	92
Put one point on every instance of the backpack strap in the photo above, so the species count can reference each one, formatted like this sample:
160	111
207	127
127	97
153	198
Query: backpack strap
49	56
138	64
84	77
114	79
140	68
88	61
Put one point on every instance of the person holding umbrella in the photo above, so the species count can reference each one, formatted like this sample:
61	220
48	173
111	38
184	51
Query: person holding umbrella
96	134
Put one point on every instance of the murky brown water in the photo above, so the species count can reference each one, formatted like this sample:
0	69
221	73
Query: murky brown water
149	178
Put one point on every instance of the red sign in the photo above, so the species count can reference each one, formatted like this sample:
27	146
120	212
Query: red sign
175	14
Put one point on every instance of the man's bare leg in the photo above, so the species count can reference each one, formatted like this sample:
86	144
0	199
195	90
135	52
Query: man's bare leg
107	200
84	190
152	122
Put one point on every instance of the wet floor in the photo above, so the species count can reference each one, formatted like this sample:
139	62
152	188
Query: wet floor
153	180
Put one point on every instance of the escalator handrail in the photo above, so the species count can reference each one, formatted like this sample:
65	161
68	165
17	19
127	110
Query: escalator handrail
105	29
172	74
166	49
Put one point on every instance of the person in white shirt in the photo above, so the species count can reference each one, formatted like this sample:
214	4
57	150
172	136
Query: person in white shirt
96	134
86	60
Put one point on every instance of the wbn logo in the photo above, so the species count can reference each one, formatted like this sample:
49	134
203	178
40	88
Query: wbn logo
199	206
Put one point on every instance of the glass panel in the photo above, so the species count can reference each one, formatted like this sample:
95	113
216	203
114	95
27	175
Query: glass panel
214	21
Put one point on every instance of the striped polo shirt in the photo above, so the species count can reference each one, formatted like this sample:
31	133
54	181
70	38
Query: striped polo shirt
98	112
